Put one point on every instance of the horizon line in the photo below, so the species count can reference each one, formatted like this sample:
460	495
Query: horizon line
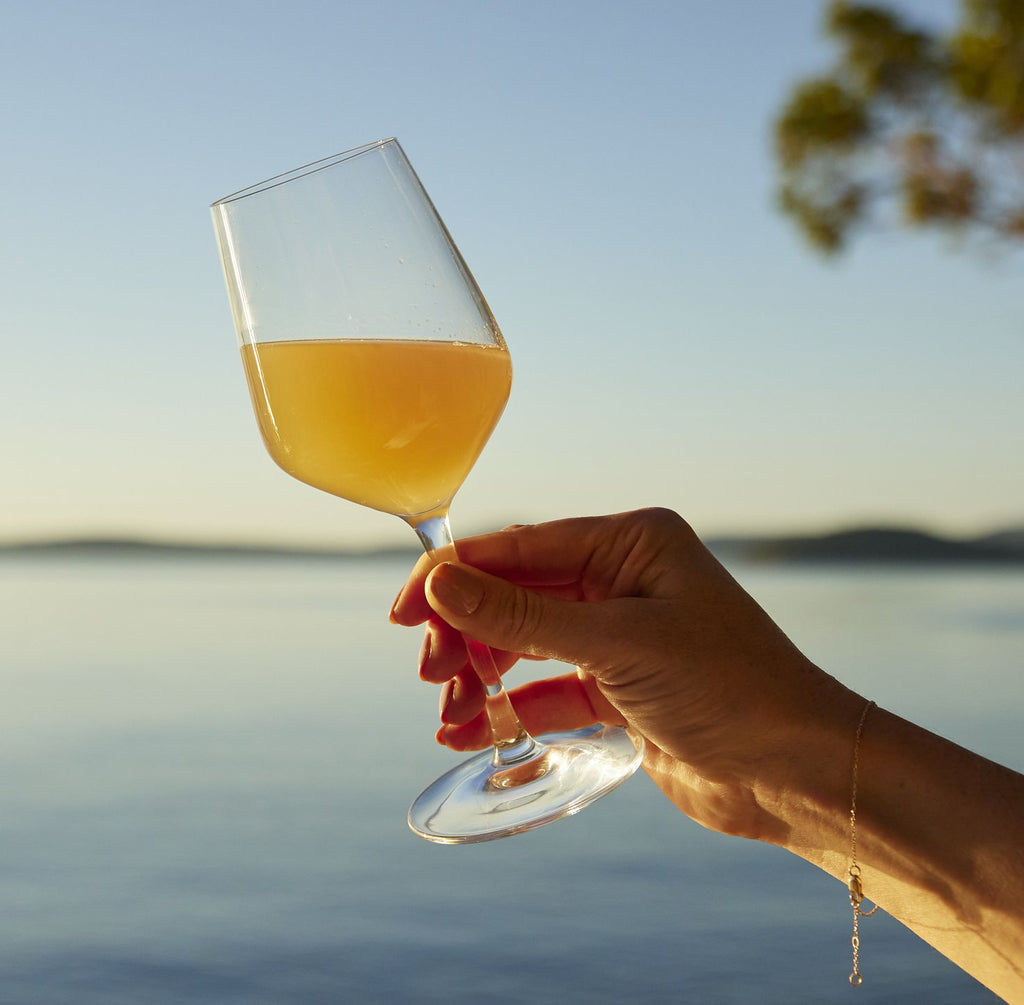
864	540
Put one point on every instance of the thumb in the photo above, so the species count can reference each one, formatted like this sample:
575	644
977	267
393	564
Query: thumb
509	617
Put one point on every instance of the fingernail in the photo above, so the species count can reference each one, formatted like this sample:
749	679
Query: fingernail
447	690
424	652
459	590
391	613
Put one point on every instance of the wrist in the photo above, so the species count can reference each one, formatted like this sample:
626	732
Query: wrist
809	794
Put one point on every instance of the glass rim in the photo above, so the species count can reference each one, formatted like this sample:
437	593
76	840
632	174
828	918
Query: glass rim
306	169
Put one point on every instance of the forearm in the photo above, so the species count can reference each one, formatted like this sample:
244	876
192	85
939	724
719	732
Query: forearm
940	838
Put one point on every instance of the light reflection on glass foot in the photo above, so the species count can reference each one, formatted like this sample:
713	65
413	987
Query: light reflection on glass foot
480	801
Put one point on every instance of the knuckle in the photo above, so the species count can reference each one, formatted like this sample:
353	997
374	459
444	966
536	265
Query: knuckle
662	520
658	528
523	618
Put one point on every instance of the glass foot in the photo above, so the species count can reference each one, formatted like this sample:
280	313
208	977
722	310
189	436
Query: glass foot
481	800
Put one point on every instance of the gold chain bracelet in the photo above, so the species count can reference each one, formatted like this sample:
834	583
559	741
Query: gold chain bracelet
854	882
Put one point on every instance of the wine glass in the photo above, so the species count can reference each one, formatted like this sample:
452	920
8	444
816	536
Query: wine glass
377	373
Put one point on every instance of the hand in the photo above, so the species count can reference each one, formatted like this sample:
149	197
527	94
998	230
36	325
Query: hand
665	642
742	731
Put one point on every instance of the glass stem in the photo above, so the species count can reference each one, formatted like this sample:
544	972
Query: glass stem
512	744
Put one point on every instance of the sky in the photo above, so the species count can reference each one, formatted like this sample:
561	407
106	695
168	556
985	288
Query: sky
606	169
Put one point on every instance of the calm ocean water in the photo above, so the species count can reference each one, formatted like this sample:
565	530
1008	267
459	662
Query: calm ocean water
205	766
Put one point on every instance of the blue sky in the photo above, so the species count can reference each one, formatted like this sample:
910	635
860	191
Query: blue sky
606	169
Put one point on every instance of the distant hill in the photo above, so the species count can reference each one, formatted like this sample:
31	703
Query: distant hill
139	547
879	545
1009	539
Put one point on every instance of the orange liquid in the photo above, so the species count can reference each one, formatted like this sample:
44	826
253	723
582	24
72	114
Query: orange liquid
394	425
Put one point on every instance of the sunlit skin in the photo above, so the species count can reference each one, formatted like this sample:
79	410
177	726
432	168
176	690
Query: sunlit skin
743	733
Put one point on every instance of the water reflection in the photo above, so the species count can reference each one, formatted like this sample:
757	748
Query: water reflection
206	767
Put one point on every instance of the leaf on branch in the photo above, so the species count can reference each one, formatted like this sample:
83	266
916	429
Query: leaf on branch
822	114
940	196
987	66
824	219
883	55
